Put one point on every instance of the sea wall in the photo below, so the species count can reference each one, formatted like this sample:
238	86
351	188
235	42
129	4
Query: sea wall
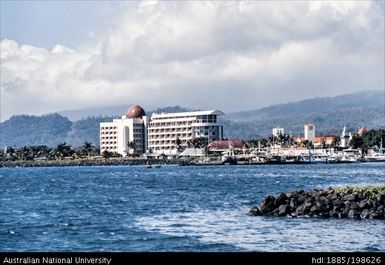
84	162
346	202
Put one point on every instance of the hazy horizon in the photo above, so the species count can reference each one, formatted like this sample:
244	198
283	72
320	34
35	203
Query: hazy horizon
234	56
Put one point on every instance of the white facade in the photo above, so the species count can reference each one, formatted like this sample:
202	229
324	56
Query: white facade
115	136
165	128
278	131
345	138
309	132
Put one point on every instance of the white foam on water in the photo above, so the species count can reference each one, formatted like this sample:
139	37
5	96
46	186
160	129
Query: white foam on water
251	233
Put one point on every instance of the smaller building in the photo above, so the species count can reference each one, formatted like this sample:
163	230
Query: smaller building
319	142
278	131
126	135
309	130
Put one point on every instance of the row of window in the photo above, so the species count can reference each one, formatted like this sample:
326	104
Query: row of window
104	143
174	123
110	147
102	132
109	128
162	142
174	135
163	148
168	130
108	137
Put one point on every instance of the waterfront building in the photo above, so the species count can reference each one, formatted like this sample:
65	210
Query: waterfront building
278	131
309	130
345	138
126	135
165	128
319	141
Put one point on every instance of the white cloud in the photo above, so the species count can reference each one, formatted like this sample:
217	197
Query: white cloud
228	55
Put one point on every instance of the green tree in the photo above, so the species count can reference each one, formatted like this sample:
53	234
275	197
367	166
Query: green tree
200	142
63	150
88	148
106	154
357	142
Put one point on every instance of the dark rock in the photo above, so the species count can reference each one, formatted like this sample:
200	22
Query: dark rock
315	209
267	205
366	213
300	191
360	195
301	210
308	205
380	198
309	199
293	203
324	215
345	211
255	211
323	204
354	213
350	197
376	215
284	210
364	204
320	205
342	215
301	199
337	202
354	206
281	199
333	213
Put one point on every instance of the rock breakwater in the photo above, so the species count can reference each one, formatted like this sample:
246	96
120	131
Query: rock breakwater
346	202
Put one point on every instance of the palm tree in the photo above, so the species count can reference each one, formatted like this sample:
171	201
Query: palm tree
178	143
63	150
131	146
88	147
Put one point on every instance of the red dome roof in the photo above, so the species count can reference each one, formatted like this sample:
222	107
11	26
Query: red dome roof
135	112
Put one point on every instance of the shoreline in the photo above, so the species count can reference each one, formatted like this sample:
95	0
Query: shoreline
138	162
82	162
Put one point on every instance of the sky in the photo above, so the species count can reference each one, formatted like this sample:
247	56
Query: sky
227	55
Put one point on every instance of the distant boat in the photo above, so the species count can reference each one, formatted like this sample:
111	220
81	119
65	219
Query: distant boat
156	166
318	159
376	156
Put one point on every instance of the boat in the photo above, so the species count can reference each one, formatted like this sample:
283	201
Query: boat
376	156
316	159
349	156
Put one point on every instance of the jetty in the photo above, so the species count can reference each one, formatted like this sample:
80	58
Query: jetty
348	202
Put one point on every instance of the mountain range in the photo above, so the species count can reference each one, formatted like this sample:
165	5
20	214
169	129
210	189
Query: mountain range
329	114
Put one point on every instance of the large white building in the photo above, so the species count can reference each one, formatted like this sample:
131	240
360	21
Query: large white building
165	128
126	135
309	130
